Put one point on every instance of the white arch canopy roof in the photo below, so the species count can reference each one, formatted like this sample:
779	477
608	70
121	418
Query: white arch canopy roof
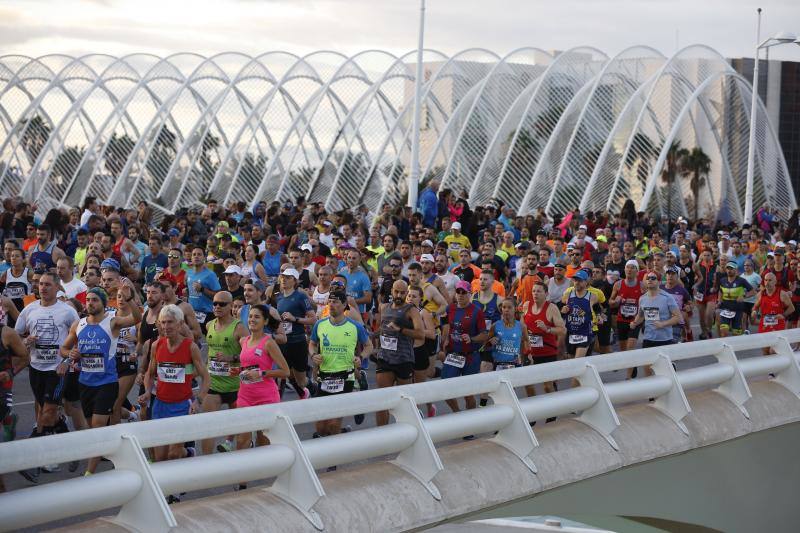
537	130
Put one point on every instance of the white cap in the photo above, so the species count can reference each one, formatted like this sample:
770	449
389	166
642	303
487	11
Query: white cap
793	242
327	223
291	272
426	257
583	226
233	269
456	225
780	244
632	262
681	220
307	247
427	242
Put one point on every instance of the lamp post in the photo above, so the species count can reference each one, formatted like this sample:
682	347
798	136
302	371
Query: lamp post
781	38
413	177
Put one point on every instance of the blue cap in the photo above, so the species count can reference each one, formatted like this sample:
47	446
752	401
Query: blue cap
111	264
581	275
173	232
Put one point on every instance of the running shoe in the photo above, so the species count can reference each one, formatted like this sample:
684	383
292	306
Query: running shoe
10	427
431	410
359	419
133	416
190	451
72	466
306	394
172	499
87	474
225	446
51	469
346	429
469	437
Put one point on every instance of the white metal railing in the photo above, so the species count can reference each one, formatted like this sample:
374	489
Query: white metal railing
139	487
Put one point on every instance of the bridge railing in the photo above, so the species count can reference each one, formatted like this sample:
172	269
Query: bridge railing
139	486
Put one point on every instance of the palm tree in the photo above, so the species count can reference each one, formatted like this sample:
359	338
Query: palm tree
696	165
673	166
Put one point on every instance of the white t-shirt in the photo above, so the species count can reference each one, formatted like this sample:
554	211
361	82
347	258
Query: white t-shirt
74	288
449	279
50	325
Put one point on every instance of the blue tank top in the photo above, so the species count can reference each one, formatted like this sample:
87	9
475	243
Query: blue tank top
491	313
508	348
579	317
43	259
97	349
272	263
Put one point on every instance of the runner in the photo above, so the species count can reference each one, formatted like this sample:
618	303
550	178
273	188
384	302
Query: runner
577	307
321	291
223	336
557	284
400	325
462	335
774	305
424	350
682	299
45	253
625	297
705	292
13	359
544	325
754	279
126	356
91	344
296	311
508	338
489	302
337	346
202	284
17	280
44	324
733	289
659	312
73	287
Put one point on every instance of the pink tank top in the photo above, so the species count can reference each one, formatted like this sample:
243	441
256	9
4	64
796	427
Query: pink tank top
262	390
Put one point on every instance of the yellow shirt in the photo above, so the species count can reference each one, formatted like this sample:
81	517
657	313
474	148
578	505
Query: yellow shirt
455	244
601	298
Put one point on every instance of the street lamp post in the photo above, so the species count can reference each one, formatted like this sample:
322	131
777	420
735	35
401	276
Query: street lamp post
413	178
781	38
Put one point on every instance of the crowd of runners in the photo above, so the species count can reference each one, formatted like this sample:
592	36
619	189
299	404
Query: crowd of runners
118	317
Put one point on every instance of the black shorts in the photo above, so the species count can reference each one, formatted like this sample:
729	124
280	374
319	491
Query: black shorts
625	332
542	359
72	391
573	348
126	368
650	344
296	355
349	382
603	334
98	400
422	358
734	324
748	307
400	370
228	398
47	386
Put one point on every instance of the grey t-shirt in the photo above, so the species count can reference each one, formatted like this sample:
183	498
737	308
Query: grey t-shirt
657	308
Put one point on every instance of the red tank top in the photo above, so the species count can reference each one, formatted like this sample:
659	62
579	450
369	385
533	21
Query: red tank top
173	370
769	307
542	344
629	306
117	247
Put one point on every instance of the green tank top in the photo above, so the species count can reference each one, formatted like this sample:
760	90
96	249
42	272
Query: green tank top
224	374
337	345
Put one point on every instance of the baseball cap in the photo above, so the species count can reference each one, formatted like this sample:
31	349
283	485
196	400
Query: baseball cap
632	262
233	269
673	270
732	264
223	223
456	225
559	265
583	226
426	257
173	232
291	272
463	286
338	294
306	247
287	204
110	264
580	275
780	244
427	242
327	223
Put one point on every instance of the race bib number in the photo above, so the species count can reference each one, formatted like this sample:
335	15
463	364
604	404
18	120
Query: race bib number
535	341
578	339
698	296
14	292
628	310
286	327
505	366
172	372
727	313
244	376
456	360
201	317
46	354
93	363
126	357
219	368
332	385
651	314
388	343
770	320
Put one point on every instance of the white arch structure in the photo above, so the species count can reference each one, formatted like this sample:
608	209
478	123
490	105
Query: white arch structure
533	129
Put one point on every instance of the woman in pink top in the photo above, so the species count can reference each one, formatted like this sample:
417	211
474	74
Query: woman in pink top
259	355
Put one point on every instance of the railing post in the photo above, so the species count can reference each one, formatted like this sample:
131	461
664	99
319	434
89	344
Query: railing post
789	377
421	459
735	389
601	416
148	511
517	437
298	485
674	403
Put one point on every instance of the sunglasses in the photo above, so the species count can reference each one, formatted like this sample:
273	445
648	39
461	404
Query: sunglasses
221	304
461	291
173	256
651	278
396	266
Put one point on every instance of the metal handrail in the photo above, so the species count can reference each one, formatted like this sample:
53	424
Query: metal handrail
139	486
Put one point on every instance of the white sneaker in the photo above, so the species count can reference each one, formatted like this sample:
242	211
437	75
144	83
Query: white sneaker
50	469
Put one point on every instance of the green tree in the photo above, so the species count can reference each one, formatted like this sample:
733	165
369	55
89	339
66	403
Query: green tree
696	166
672	168
35	135
117	154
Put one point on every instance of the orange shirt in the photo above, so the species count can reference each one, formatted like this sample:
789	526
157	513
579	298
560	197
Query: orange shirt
571	269
497	287
27	244
525	288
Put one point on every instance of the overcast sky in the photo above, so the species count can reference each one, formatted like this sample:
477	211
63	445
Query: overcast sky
36	27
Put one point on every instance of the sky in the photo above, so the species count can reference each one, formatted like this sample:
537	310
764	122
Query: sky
162	27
